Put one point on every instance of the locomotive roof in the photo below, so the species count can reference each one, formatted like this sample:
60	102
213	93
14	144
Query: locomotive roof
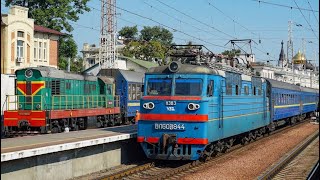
132	76
185	68
56	73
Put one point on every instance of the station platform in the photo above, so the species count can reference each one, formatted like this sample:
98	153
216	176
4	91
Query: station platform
28	146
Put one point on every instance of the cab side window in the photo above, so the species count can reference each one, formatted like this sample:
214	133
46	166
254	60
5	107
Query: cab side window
210	88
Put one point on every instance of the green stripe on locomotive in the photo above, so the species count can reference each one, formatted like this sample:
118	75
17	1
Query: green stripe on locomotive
63	90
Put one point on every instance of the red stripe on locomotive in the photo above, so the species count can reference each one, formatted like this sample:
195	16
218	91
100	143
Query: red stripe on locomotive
59	114
174	117
153	139
192	141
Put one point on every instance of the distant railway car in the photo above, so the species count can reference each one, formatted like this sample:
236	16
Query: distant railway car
290	101
48	99
191	110
128	88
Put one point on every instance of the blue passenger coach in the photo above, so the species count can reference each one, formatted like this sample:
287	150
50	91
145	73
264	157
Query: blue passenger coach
128	86
290	101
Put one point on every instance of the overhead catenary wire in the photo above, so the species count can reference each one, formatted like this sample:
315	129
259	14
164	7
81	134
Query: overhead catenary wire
313	12
282	5
186	40
195	19
161	24
181	21
306	20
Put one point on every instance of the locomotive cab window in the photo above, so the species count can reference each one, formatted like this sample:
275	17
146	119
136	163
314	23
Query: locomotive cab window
210	88
188	87
160	87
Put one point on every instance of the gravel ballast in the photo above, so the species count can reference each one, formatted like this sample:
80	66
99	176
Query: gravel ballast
255	158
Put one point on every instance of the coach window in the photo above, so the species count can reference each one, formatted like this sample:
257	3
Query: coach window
254	90
138	91
210	88
133	90
129	91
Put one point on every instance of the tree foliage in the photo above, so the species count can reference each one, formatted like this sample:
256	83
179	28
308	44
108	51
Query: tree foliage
67	49
52	13
153	42
129	32
145	50
156	33
232	53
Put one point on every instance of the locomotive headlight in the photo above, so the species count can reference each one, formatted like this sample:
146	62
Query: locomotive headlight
38	106
149	105
20	106
28	73
193	106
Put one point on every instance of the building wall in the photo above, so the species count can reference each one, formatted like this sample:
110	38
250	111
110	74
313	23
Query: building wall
21	28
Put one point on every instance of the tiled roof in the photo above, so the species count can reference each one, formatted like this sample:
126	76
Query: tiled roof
47	30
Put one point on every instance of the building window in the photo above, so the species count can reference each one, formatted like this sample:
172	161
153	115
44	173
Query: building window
40	44
21	34
44	51
20	48
35	50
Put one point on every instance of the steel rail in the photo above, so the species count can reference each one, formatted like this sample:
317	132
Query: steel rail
271	172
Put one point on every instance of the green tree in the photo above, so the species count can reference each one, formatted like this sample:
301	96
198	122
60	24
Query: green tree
232	53
52	13
129	32
67	49
77	64
156	33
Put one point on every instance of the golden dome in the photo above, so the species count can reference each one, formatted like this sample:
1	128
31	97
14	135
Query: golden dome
299	56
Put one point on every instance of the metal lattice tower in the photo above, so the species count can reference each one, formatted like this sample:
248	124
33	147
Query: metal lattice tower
108	27
290	43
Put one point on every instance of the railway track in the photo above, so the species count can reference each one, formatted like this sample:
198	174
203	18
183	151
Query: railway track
162	170
295	163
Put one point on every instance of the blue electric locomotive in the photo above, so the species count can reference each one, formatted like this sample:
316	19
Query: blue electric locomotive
191	111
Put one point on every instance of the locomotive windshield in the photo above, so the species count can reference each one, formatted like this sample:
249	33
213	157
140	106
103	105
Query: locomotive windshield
160	87
183	87
188	87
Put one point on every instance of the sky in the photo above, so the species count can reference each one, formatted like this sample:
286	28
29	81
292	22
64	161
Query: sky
214	22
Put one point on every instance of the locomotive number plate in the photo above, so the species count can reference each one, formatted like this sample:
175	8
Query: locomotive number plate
169	126
171	103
